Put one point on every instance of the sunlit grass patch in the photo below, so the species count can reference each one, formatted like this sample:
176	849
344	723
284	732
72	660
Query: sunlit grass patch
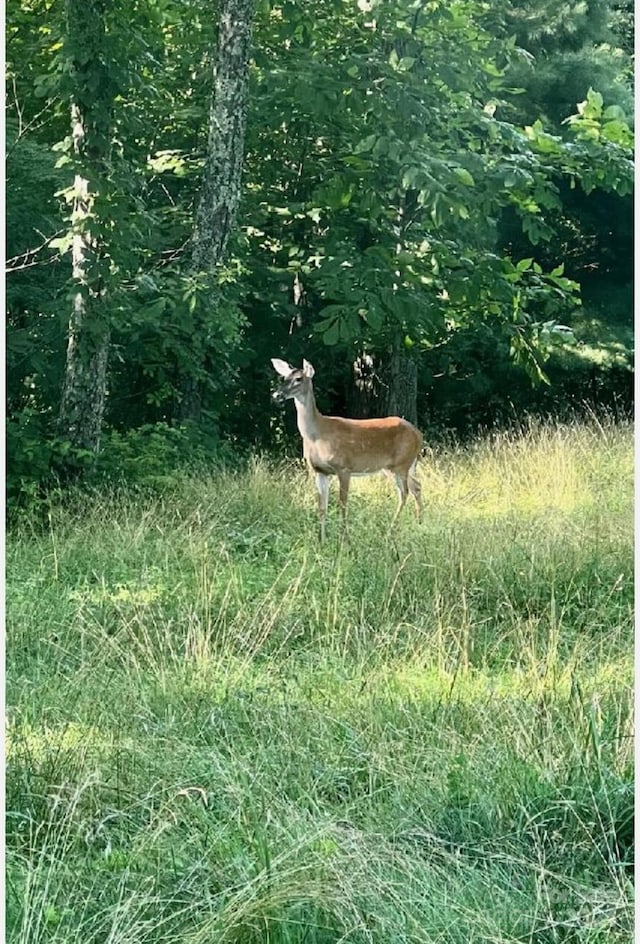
544	471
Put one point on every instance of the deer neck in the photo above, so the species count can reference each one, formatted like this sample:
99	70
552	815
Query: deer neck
308	415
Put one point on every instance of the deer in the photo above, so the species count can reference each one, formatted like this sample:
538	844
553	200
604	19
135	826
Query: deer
334	445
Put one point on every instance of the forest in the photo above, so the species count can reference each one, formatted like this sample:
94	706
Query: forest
432	202
218	726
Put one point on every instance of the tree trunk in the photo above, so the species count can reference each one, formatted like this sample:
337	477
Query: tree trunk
400	378
84	387
363	394
384	387
222	175
220	193
400	386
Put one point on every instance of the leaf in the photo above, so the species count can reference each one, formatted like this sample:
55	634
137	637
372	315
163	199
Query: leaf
524	264
366	144
618	132
374	318
492	69
62	243
595	101
591	107
332	334
614	112
464	176
157	308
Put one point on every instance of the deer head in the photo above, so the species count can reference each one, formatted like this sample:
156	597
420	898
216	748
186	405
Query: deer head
296	382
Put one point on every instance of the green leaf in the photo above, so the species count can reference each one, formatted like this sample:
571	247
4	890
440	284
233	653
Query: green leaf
366	144
374	317
614	112
618	132
595	102
331	335
492	69
464	176
591	107
524	264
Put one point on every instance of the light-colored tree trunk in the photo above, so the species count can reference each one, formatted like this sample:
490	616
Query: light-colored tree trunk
221	180
220	193
84	387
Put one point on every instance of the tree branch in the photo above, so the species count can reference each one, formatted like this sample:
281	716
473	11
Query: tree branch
26	260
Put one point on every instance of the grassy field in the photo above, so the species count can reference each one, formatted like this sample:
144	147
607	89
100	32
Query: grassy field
219	731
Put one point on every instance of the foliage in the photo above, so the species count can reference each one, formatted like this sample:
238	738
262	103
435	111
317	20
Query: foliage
408	183
391	228
149	457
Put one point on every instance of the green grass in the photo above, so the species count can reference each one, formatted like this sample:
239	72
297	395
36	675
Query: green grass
219	731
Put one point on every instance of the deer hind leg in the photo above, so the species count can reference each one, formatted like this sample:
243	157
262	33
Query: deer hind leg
402	486
344	480
416	490
322	484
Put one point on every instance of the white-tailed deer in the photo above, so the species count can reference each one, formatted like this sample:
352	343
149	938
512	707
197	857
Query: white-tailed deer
333	445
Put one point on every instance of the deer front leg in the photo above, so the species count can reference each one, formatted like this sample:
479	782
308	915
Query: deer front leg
322	484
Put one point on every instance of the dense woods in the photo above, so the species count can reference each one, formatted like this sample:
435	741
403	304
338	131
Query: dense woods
430	201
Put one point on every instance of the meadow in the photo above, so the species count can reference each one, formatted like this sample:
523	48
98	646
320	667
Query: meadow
220	731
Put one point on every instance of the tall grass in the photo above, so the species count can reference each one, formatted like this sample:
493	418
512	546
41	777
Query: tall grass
219	730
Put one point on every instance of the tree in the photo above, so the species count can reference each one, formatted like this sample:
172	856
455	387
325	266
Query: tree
220	191
92	92
397	157
404	206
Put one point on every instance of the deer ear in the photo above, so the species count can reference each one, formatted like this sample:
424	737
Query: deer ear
307	369
281	367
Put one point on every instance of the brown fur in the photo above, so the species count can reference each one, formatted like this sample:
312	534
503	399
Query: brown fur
334	445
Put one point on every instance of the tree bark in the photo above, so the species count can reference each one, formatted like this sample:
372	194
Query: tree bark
220	194
400	385
222	175
363	394
385	387
400	379
84	387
